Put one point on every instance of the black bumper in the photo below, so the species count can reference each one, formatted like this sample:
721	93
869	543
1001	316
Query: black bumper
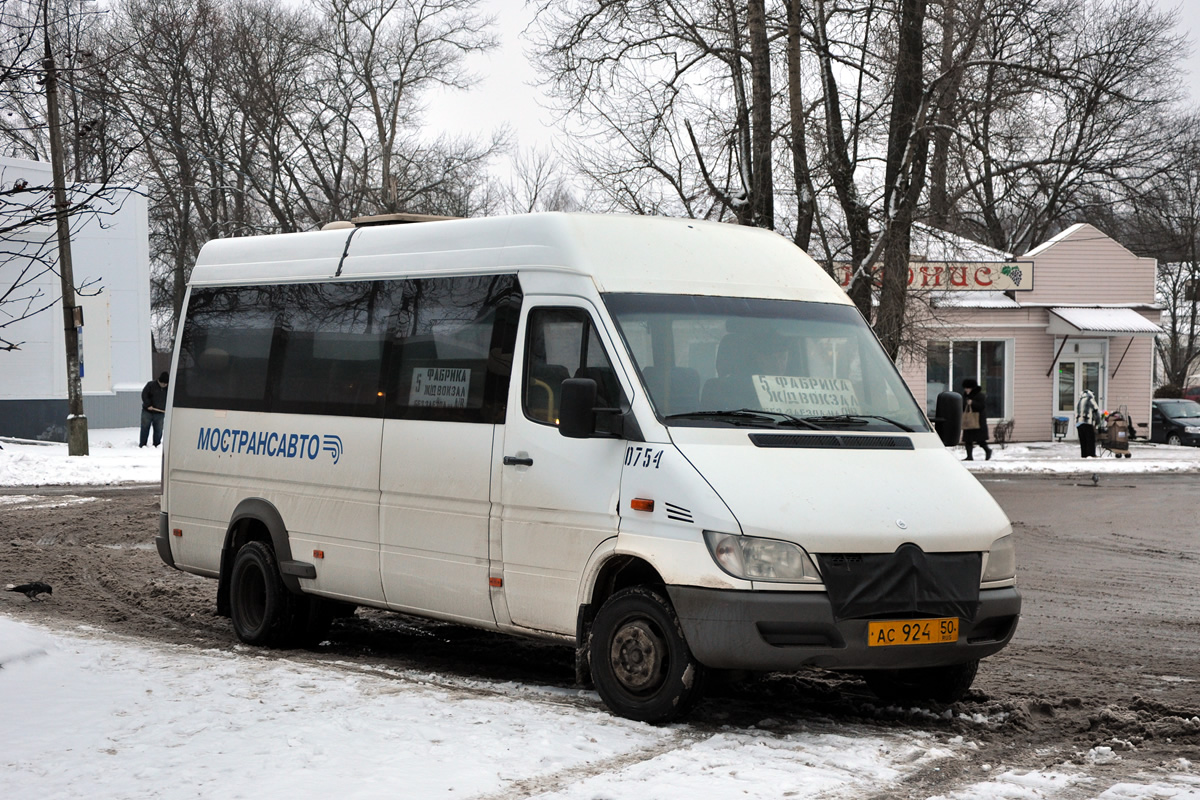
163	542
780	631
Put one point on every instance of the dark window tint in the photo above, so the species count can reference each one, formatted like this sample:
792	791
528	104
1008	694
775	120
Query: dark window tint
562	343
226	348
438	348
452	343
330	352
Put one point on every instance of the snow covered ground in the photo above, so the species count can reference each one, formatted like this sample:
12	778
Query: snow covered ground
90	714
115	458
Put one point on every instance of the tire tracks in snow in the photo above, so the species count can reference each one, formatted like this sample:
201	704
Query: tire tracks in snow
564	779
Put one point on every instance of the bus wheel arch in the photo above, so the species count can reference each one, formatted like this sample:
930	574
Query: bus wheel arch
254	520
617	572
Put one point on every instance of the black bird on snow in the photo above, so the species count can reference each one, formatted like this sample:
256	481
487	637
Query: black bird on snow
32	590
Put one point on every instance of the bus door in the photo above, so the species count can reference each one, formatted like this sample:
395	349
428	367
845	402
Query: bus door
558	496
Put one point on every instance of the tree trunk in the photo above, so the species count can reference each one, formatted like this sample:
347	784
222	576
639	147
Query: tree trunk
841	173
944	119
904	174
77	429
805	196
762	190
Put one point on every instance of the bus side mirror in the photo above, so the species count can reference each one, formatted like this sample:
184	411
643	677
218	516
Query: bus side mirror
578	417
947	420
576	408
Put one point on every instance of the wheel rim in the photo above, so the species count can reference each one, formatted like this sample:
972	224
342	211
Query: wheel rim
638	656
252	598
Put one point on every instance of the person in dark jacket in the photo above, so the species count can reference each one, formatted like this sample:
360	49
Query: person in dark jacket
1087	421
154	409
974	400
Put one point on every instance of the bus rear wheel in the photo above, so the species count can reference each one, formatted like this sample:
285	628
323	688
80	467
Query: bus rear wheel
259	604
641	664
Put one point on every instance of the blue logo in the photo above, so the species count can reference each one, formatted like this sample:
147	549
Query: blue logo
271	444
333	444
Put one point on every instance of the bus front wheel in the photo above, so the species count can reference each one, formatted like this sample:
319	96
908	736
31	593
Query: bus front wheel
640	662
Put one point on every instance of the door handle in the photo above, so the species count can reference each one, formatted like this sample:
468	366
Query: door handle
514	461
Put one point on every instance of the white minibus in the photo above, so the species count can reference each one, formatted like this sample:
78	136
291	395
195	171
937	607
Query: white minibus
673	444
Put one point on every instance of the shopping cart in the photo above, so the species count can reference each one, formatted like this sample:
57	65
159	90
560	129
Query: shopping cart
1114	438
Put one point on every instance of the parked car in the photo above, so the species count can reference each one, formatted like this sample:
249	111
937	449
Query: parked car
1175	421
1192	393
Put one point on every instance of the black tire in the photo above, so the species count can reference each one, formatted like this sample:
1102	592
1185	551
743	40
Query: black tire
260	606
640	662
1175	439
940	684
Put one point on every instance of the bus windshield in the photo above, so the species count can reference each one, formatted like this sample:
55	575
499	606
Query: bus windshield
732	361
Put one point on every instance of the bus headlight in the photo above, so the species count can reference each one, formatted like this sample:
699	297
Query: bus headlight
755	559
1002	560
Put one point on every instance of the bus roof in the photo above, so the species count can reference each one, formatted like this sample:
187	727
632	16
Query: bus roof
618	253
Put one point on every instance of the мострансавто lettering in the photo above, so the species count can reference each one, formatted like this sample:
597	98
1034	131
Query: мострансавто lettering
269	443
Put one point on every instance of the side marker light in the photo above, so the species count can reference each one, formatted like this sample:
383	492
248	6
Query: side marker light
641	504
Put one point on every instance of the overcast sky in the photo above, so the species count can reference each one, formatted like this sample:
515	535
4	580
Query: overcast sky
1189	23
507	94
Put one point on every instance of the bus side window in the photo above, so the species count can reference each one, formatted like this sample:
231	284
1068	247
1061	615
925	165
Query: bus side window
563	343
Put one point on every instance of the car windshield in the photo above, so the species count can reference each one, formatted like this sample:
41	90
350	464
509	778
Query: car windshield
1180	409
731	361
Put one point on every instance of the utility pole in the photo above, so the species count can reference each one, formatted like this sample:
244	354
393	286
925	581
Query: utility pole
77	431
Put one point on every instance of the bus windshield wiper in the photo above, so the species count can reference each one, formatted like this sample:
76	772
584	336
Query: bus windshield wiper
749	415
855	419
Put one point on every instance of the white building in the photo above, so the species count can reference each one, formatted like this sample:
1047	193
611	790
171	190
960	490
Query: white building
111	251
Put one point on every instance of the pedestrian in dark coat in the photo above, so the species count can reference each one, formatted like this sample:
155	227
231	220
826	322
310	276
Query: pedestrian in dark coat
974	400
154	409
1087	420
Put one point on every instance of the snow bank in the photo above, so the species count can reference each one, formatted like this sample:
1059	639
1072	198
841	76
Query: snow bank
114	457
90	715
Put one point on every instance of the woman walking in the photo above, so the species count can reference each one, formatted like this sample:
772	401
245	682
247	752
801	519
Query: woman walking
975	423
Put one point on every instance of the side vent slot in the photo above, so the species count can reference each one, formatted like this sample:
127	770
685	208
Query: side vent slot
678	513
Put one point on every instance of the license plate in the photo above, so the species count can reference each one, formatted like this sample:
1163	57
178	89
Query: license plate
912	631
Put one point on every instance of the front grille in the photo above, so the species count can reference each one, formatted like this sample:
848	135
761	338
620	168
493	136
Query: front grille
906	583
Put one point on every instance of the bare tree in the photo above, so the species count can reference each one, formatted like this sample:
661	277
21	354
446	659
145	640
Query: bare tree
670	102
1163	221
255	116
29	252
994	118
394	51
538	183
1060	104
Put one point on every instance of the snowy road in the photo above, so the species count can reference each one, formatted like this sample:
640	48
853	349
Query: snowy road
124	684
111	717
